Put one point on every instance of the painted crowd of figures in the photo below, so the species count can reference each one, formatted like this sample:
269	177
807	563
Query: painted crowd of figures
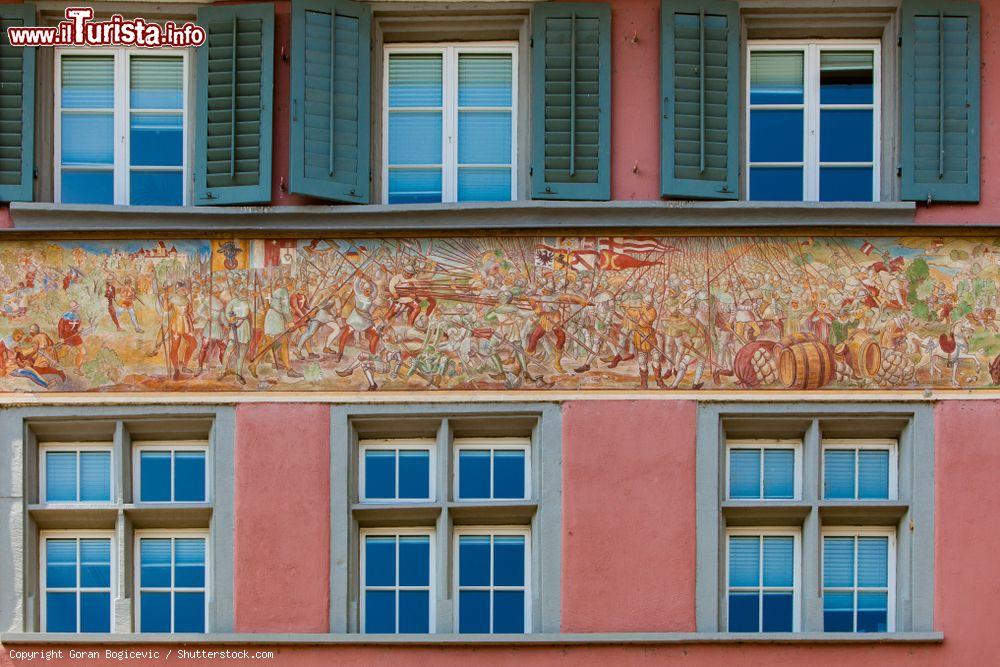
500	313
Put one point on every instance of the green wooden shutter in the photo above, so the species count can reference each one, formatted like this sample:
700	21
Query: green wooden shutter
940	101
331	99
233	122
571	101
700	65
17	108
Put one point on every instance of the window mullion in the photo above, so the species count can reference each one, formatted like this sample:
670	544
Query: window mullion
450	113
122	103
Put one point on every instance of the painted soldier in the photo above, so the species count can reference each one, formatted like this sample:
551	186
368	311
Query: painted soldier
70	332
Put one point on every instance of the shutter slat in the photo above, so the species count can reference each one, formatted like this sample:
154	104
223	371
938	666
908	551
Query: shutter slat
17	108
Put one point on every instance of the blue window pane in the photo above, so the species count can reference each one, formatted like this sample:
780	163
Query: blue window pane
776	183
873	562
484	137
744	473
484	184
154	476
474	611
838	561
414	474
414	561
838	474
156	140
414	611
189	558
508	560
95	476
838	612
88	187
474	560
60	563
779	561
845	135
88	82
779	473
474	473
414	137
380	474
154	612
154	559
156	82
743	612
508	611
60	612
873	474
189	612
508	473
777	77
777	612
95	563
60	476
744	561
189	468
414	186
846	77
845	184
380	561
415	80
95	612
88	138
156	188
380	611
776	135
485	80
873	612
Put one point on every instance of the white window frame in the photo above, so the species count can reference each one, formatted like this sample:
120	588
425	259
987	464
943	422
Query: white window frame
881	444
492	532
172	446
45	535
171	534
122	115
396	533
856	532
45	448
450	52
493	445
397	445
764	444
811	164
763	532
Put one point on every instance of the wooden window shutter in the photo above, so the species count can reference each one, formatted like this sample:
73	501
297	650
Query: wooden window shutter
17	108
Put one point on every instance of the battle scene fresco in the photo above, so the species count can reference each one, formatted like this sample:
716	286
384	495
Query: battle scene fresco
500	313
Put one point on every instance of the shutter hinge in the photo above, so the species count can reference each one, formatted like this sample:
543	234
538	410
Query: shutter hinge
531	42
34	173
899	41
899	170
930	198
531	171
208	195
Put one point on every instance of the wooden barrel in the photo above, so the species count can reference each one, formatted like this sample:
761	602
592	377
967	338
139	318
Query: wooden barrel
806	365
864	355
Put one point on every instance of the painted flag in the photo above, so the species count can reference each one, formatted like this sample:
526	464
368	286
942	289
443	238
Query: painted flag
634	246
230	254
867	248
265	253
613	261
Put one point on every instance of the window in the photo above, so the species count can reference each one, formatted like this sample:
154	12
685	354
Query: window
120	126
858	580
76	581
492	469
764	470
449	123
75	473
171	582
396	573
492	576
859	470
813	121
763	580
170	472
397	470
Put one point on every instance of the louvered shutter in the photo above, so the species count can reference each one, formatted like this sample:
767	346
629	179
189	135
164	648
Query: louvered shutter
699	149
331	99
571	101
17	108
233	122
940	101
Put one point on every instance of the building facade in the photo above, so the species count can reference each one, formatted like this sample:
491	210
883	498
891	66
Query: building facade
478	331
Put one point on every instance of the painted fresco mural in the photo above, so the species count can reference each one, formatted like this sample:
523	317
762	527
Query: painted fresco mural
499	313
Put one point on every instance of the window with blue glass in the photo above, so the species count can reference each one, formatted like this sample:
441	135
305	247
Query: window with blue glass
763	581
396	470
171	580
76	580
497	469
492	575
120	127
450	123
813	121
763	471
77	473
396	573
171	473
858	581
855	470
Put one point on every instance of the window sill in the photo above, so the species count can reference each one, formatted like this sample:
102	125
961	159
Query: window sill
765	512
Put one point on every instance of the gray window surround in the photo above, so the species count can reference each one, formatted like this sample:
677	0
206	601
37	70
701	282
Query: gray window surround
912	514
542	512
22	516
